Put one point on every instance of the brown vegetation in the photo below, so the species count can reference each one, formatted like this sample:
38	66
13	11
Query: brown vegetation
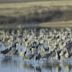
38	14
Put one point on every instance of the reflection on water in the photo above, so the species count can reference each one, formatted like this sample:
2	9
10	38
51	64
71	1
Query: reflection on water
16	64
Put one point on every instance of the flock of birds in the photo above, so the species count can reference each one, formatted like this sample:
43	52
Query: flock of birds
55	43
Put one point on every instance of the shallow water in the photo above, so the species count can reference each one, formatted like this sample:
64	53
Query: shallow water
16	64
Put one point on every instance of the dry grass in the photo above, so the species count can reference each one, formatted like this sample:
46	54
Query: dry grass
41	3
35	11
20	8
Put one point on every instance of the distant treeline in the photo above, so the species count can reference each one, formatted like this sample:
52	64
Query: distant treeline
47	15
16	1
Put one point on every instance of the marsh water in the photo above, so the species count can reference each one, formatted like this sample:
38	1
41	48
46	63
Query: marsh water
17	64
